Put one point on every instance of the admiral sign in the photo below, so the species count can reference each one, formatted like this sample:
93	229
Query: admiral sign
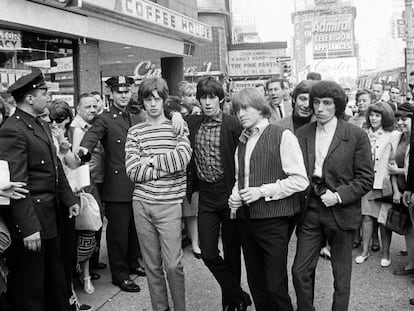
333	36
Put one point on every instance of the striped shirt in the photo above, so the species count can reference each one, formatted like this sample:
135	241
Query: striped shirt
163	182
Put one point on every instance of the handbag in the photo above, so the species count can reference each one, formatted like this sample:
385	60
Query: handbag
79	178
89	217
398	219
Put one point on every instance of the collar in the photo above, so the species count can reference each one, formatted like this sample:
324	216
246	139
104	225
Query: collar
218	117
328	127
115	109
79	122
258	129
375	134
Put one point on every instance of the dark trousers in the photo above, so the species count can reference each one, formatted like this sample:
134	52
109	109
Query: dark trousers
318	226
214	213
265	246
68	249
121	239
36	279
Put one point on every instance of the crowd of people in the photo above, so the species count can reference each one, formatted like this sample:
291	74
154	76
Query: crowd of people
254	169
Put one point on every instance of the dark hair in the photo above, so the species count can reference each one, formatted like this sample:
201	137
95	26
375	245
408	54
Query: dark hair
303	87
209	86
172	103
363	92
59	111
150	85
272	80
386	112
332	90
314	76
251	97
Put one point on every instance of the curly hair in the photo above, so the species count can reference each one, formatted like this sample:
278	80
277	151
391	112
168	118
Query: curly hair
332	90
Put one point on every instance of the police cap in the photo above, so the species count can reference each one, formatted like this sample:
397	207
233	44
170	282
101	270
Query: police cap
119	83
27	83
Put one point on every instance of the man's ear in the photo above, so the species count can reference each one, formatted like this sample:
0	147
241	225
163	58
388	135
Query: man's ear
29	98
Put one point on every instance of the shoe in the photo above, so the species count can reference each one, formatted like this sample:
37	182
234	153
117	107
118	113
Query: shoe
79	307
375	248
325	253
356	244
95	276
412	301
403	271
87	285
128	286
246	298
360	259
385	262
402	253
140	271
99	266
197	255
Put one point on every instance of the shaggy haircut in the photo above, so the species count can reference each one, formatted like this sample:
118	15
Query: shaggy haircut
251	97
150	85
209	86
387	120
303	87
332	90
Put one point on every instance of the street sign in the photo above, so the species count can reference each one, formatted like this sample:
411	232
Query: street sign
283	59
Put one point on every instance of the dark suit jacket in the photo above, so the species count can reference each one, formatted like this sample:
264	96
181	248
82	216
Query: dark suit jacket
347	169
229	139
31	155
111	128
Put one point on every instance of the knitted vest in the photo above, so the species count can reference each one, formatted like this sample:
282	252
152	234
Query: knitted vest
265	168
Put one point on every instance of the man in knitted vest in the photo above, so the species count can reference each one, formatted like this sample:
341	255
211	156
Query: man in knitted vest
269	171
338	162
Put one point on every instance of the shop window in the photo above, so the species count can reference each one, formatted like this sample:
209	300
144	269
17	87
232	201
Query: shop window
20	51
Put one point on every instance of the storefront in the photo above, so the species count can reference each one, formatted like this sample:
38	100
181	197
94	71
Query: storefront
77	43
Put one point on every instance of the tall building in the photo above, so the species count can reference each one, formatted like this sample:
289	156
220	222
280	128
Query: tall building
324	39
244	24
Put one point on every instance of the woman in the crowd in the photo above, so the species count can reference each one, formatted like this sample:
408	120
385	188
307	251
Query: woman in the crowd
60	115
403	118
364	98
409	98
380	126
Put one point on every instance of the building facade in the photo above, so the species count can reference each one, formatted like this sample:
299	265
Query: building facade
77	44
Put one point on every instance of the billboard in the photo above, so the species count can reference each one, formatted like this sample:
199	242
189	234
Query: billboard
342	70
255	62
333	36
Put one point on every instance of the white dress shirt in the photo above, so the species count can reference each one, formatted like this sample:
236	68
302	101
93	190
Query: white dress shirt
292	165
323	139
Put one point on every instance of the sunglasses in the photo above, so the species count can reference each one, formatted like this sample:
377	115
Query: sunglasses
409	98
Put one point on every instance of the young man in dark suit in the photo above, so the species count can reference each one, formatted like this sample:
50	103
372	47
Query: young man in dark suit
37	280
338	162
214	137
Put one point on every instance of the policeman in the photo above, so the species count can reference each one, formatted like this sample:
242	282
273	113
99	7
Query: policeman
36	281
111	128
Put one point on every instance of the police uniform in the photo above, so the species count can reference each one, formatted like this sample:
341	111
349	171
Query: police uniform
111	129
36	280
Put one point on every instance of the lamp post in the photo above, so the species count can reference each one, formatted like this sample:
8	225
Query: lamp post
409	58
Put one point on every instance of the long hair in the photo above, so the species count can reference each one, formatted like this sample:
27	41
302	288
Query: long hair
332	90
251	97
387	120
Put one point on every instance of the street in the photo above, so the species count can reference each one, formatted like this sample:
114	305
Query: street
373	288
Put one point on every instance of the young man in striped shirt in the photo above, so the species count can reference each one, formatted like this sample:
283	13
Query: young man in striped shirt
156	160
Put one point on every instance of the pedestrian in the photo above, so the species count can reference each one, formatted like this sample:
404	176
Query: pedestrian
338	163
35	221
156	161
214	137
270	170
383	139
110	128
275	90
